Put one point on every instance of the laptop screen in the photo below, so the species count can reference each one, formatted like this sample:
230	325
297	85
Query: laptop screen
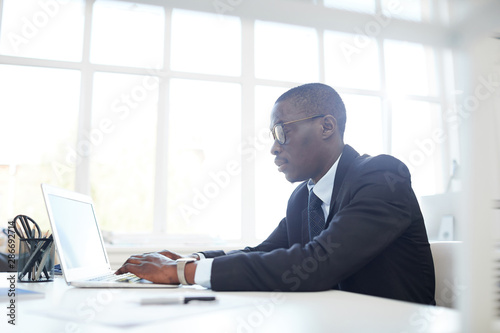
78	232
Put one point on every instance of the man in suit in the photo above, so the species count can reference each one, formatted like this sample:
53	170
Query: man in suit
354	223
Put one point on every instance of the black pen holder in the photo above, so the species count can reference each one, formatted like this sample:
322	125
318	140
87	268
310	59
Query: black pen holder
36	260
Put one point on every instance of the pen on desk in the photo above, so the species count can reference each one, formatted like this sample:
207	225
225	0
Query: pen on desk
175	300
43	261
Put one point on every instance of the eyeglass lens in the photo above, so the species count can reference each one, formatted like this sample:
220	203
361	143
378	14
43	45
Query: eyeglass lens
279	134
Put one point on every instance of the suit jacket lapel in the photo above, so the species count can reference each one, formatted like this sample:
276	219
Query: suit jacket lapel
348	156
297	216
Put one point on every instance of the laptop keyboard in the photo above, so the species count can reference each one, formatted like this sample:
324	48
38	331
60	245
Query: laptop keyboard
127	277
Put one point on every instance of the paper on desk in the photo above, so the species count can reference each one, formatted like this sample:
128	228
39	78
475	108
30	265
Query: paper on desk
129	313
6	294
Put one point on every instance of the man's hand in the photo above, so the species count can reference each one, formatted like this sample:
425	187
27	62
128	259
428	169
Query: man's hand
155	267
175	256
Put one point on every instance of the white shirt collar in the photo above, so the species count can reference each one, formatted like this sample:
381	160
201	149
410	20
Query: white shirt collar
324	187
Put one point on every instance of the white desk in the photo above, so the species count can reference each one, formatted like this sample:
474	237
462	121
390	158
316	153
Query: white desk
68	309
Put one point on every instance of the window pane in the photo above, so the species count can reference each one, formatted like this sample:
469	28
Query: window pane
367	6
286	52
410	69
351	61
206	43
127	34
122	150
364	126
204	184
413	10
38	124
417	139
272	190
42	29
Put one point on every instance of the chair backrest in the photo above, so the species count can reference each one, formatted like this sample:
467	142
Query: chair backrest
448	285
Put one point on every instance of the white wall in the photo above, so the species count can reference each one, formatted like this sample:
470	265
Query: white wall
479	75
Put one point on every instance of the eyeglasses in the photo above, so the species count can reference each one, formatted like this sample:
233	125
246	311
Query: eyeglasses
278	132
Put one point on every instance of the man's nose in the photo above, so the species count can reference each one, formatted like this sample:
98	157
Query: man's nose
276	148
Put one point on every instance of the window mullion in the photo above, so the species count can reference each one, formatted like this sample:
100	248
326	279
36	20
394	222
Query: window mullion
321	55
82	172
386	104
248	190
161	170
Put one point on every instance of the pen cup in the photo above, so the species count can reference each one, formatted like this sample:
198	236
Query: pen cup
36	260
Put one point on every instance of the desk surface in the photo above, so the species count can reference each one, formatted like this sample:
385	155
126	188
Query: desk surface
69	309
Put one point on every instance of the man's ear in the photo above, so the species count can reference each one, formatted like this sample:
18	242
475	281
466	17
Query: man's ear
329	126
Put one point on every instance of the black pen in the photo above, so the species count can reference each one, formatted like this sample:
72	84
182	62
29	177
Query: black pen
175	300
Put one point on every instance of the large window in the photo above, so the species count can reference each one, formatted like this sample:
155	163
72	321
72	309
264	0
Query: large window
122	153
204	186
38	126
162	114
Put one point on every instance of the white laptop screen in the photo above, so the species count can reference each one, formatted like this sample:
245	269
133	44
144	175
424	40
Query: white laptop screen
78	232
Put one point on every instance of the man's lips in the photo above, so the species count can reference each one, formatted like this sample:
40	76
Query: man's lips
281	163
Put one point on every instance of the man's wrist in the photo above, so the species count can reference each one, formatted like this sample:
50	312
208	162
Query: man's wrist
190	271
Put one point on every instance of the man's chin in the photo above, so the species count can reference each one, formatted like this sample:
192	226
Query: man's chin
293	178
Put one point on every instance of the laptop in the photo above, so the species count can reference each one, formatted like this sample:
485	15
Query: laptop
80	245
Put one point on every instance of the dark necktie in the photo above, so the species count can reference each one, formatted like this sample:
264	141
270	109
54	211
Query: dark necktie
315	215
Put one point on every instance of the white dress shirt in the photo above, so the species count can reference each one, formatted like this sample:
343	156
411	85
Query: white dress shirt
324	187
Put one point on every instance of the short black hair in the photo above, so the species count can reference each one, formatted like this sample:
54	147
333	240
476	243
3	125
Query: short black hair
317	98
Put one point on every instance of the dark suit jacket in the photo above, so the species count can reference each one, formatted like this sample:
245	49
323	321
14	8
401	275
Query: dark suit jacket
374	241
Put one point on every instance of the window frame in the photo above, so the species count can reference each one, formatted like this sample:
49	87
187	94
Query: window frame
433	33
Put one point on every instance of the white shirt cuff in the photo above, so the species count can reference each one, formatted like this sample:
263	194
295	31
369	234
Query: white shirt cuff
203	273
201	255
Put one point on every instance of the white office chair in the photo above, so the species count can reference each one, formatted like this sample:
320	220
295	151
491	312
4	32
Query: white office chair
448	285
